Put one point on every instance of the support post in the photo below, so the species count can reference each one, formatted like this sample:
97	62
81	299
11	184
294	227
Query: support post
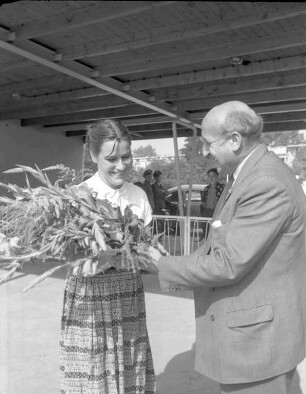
194	147
191	171
177	166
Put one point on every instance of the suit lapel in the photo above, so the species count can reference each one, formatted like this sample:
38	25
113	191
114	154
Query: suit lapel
258	153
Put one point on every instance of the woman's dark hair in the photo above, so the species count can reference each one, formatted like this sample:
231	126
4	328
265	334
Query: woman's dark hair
105	130
156	174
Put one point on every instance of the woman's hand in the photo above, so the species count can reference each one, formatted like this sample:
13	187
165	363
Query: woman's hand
89	266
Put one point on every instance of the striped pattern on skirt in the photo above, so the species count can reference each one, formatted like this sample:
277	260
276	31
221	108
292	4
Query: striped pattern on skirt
104	345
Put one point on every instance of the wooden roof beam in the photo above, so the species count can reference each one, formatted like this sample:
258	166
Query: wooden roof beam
114	113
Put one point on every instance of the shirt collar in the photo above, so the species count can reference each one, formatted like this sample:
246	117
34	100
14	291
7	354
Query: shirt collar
239	168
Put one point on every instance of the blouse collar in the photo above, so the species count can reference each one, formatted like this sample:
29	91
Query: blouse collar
107	191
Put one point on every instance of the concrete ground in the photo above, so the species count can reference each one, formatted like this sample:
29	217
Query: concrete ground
29	334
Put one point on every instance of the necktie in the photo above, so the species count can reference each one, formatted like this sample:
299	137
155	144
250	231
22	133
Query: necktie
218	209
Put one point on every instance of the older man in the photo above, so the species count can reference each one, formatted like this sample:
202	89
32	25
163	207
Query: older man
249	278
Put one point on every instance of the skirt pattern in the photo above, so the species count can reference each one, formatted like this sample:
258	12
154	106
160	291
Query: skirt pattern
104	345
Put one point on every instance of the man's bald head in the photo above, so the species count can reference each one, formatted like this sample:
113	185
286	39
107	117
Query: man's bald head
234	116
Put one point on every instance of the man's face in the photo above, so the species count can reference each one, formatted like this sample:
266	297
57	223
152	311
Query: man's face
218	146
213	177
149	178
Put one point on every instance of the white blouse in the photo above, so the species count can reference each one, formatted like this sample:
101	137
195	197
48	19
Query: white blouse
127	194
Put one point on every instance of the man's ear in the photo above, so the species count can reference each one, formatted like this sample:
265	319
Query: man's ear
236	141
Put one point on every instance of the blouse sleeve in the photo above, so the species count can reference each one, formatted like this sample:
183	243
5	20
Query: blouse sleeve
139	203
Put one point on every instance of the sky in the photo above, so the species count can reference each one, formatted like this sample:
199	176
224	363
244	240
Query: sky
163	146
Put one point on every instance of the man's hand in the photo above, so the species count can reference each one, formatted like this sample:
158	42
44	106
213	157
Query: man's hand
151	264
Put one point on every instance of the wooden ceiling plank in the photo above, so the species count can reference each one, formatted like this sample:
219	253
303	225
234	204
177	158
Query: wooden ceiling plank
34	83
15	65
260	83
270	127
251	98
167	133
268	66
125	111
284	126
146	120
71	106
99	13
179	32
133	64
268	118
272	108
284	117
40	100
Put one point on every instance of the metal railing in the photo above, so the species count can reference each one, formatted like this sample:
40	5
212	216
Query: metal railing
180	234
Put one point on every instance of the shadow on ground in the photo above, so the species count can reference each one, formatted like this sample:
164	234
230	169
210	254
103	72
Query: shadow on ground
179	377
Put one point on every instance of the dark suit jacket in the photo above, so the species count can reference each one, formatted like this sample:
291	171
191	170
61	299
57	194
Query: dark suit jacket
159	194
250	290
147	187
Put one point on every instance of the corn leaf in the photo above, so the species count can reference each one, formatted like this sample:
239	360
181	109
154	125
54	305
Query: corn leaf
42	277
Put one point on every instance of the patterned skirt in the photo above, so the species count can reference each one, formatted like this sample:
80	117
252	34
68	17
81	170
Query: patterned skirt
104	345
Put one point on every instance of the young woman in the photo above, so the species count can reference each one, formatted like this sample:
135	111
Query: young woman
104	346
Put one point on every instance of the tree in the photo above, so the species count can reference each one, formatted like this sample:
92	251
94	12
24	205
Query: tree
282	138
143	151
285	138
201	164
299	164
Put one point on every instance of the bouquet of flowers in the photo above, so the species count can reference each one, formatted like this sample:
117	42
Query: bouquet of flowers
66	223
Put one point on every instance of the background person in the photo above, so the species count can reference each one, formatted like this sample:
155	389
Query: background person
104	345
211	194
160	194
249	278
147	187
209	198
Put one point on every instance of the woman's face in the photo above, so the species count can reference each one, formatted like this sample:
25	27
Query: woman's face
114	162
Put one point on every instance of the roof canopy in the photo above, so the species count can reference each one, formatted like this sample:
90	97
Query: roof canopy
65	64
